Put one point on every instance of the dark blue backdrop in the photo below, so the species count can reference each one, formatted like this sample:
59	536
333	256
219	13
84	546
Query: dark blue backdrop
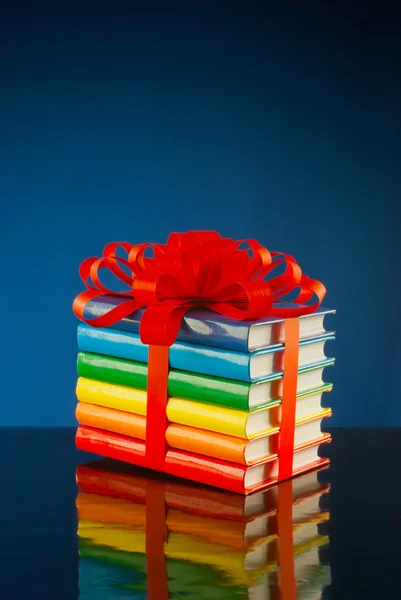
283	125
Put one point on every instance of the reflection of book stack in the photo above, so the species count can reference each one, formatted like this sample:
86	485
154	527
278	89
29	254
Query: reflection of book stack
219	544
225	389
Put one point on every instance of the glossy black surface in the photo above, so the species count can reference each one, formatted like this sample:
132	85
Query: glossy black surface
39	555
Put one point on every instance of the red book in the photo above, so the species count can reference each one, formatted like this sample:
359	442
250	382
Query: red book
199	468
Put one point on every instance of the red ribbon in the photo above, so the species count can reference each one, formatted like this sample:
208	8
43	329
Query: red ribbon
238	279
289	398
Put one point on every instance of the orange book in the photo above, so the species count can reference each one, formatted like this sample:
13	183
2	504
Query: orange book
199	441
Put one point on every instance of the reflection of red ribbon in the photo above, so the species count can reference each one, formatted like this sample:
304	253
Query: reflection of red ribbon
287	586
289	397
156	535
199	269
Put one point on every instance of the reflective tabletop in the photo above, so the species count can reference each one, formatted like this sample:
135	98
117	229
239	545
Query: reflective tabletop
76	526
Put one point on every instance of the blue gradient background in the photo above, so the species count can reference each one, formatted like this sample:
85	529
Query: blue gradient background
127	123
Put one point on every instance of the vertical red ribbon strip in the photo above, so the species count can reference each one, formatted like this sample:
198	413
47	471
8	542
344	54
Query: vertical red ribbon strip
289	398
156	416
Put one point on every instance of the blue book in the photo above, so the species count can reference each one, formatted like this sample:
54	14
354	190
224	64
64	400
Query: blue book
211	329
219	362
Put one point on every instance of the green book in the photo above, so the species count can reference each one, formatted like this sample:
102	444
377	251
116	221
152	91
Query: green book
202	388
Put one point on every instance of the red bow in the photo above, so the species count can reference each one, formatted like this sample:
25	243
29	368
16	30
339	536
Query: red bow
202	269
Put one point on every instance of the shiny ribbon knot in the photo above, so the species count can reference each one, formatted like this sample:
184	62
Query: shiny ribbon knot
196	269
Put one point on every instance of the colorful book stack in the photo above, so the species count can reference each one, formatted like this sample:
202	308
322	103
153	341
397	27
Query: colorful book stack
224	387
218	544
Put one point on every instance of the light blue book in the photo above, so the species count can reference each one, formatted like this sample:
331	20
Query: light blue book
242	366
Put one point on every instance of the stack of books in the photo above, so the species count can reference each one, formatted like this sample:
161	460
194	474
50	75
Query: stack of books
218	544
225	389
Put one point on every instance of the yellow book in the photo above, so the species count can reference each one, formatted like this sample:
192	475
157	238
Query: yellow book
237	423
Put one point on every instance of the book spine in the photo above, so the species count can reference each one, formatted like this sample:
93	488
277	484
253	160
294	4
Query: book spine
112	370
112	396
199	441
108	419
181	464
183	357
208	417
207	329
182	384
210	390
111	343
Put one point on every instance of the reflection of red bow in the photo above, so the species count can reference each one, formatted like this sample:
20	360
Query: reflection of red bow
197	268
